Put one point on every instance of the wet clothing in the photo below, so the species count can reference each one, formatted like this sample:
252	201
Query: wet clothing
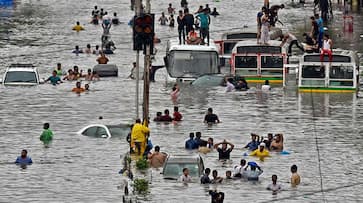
260	154
54	80
115	21
185	179
26	160
252	175
214	13
190	144
211	118
59	72
46	136
229	87
238	170
138	135
205	179
166	118
171	22
217	197
265	88
274	187
224	154
253	145
177	116
77	28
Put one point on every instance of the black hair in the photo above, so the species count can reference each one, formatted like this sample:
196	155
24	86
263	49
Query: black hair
184	169
207	170
138	120
191	134
166	111
176	108
157	148
210	110
46	125
293	168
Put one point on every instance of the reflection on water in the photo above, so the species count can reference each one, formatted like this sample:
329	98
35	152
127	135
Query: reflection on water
81	169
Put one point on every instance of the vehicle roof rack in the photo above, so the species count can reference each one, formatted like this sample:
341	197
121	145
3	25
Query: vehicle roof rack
21	65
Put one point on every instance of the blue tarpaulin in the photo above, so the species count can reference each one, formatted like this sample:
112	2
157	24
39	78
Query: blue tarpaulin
6	3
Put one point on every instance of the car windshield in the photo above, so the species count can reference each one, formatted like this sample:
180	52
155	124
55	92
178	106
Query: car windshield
20	76
175	170
118	130
192	63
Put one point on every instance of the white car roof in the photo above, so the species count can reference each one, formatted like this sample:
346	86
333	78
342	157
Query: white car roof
174	45
22	69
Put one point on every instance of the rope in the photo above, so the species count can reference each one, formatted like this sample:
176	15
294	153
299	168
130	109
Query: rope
317	145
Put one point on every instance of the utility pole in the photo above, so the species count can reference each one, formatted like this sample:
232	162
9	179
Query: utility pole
137	13
147	64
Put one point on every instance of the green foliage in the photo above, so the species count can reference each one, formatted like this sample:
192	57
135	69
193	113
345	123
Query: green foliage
141	186
128	159
142	164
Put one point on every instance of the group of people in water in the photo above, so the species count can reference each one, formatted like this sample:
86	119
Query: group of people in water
258	147
177	116
72	75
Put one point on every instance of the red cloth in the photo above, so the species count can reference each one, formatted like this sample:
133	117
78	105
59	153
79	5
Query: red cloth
326	51
177	116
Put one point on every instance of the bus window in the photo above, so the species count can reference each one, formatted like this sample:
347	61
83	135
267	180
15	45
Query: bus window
271	62
246	61
313	71
341	72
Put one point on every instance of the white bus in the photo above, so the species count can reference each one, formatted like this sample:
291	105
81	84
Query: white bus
339	75
257	62
187	62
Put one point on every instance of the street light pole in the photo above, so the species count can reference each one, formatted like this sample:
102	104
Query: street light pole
137	13
147	64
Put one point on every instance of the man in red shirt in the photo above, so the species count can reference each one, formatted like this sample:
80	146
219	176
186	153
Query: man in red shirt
177	115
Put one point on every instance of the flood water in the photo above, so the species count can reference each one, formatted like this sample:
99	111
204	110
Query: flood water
83	169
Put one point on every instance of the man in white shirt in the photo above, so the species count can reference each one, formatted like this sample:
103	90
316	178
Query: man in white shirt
185	178
266	86
238	169
229	85
274	187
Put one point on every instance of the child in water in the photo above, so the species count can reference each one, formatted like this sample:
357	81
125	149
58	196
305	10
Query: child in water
47	135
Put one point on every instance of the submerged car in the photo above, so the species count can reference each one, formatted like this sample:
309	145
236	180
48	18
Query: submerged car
211	80
21	75
105	131
174	164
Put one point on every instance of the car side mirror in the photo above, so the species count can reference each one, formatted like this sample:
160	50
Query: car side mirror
42	81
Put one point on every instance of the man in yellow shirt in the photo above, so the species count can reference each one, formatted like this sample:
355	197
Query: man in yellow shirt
261	152
138	137
77	27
